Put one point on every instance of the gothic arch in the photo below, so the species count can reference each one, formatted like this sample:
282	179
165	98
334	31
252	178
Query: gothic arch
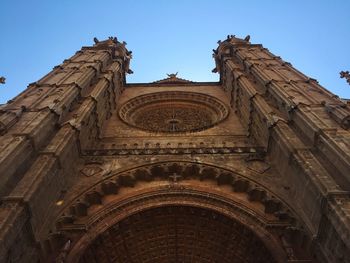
191	200
165	184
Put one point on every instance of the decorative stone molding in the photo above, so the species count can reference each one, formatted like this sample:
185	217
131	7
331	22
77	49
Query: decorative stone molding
173	151
173	111
77	214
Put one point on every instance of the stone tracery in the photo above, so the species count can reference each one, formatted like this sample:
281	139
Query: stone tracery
173	112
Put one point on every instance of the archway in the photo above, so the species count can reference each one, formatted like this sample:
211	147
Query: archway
174	234
216	192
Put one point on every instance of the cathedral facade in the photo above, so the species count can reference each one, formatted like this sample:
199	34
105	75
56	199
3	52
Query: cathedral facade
253	168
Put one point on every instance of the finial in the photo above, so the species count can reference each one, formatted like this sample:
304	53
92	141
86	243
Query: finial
96	40
172	75
236	40
346	75
2	80
114	39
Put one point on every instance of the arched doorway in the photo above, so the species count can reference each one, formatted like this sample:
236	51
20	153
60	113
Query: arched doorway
216	215
174	234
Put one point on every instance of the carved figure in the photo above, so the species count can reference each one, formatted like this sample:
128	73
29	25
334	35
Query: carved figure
172	75
346	75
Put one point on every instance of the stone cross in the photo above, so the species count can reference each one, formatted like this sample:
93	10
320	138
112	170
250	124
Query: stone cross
175	178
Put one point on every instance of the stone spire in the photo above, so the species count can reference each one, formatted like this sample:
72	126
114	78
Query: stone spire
222	49
118	49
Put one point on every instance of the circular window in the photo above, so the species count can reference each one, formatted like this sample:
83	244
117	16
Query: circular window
173	112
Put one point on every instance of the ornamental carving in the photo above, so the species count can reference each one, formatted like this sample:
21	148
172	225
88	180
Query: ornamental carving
163	229
176	173
91	170
173	112
346	75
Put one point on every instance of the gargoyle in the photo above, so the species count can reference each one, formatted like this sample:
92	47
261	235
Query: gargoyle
346	75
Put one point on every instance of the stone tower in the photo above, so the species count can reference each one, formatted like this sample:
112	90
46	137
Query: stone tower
254	168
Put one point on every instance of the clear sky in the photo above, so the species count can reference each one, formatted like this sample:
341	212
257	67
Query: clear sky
173	36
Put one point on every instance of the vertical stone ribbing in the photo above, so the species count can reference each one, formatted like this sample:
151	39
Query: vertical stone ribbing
304	127
43	130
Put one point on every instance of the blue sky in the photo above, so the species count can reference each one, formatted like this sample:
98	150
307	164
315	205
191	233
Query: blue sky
171	36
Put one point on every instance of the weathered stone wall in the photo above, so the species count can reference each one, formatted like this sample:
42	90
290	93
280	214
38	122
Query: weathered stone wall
305	130
42	133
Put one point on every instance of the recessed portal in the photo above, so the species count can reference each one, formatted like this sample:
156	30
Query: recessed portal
177	234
